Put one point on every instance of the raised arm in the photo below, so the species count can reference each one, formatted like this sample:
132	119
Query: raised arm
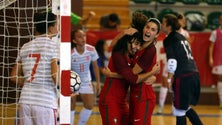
129	31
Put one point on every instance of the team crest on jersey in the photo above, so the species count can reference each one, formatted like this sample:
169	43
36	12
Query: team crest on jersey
129	64
115	120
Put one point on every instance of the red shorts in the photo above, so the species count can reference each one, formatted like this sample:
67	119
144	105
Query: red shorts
141	111
114	113
142	104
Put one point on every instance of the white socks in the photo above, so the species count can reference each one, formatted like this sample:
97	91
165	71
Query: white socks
162	96
84	116
72	117
219	89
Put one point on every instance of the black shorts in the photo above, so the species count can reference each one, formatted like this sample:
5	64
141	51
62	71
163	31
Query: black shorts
186	90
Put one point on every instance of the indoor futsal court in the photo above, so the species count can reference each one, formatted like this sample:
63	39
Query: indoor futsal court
210	115
208	110
16	29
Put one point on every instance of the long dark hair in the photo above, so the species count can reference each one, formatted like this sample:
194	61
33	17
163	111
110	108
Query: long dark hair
100	50
138	21
44	20
121	45
73	32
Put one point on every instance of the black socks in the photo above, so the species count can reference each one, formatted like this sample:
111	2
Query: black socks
193	117
181	120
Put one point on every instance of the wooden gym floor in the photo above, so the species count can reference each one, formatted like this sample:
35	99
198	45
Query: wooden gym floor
209	114
208	110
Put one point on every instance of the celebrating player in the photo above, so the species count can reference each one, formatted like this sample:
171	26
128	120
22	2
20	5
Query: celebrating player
113	103
142	96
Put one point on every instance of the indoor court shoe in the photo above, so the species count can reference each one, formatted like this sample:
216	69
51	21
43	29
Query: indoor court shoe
159	110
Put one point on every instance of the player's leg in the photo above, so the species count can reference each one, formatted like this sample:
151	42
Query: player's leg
72	113
124	114
25	115
218	72
180	100
88	97
88	102
188	94
163	91
180	115
111	113
151	104
181	120
162	95
193	117
103	111
219	89
194	84
142	112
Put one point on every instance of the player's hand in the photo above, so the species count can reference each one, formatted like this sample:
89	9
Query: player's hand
156	68
106	71
98	89
91	14
74	94
150	80
130	31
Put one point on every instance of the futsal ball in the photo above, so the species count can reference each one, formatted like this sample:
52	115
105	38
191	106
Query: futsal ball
75	82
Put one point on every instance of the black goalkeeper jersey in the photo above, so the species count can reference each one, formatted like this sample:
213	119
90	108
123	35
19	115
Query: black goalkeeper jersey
177	47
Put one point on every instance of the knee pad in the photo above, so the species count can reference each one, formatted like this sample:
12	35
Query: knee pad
179	112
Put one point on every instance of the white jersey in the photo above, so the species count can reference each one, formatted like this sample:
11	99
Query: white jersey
35	57
80	62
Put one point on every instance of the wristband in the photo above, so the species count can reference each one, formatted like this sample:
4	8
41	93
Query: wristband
168	80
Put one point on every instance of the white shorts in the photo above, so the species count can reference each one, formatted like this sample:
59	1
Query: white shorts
36	115
86	89
217	70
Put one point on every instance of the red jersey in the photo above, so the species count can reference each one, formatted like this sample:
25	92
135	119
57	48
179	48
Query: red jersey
115	88
217	53
146	59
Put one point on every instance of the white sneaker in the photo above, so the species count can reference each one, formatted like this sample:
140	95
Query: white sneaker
160	110
213	86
